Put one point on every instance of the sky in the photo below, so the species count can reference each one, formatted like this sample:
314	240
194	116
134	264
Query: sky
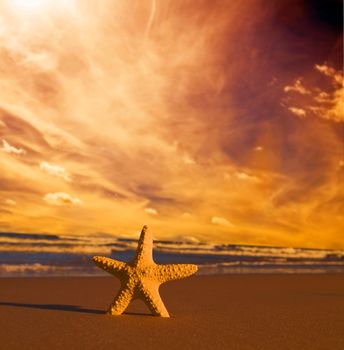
217	121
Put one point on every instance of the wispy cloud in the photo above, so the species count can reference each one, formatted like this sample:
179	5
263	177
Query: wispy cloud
61	198
241	176
297	111
330	104
151	211
55	170
188	160
246	177
216	220
336	76
7	148
297	87
320	103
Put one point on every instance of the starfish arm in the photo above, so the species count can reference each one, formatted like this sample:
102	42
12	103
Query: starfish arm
121	301
152	299
112	266
171	272
141	277
144	250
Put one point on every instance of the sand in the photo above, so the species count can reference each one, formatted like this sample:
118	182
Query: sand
207	312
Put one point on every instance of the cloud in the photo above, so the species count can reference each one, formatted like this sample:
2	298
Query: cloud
297	87
216	220
241	176
330	104
61	198
55	170
7	148
22	126
188	239
327	105
246	177
337	76
43	61
188	160
10	202
151	211
158	121
297	111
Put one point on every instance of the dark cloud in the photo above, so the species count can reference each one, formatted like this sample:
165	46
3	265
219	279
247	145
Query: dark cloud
22	131
326	12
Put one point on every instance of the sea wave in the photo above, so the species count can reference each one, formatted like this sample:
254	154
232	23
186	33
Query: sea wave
37	269
42	254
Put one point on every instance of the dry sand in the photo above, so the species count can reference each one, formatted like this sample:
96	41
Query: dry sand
208	312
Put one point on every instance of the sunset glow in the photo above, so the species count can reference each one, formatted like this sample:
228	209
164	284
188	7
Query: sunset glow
219	121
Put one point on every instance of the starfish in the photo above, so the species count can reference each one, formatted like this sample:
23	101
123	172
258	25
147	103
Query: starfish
141	278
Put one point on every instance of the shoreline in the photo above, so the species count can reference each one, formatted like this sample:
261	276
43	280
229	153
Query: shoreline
217	274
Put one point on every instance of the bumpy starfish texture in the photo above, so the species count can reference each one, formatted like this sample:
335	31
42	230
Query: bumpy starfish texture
141	278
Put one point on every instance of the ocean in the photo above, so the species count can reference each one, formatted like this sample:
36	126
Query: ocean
24	254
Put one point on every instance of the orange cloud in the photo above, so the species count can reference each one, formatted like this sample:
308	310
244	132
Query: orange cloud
151	211
223	122
216	220
55	170
336	76
323	104
61	198
297	87
7	148
10	201
330	104
297	111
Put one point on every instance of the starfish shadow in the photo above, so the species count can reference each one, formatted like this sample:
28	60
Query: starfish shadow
72	308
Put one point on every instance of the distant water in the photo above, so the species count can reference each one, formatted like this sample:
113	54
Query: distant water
60	255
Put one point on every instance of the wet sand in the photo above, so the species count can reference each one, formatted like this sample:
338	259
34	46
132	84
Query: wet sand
208	312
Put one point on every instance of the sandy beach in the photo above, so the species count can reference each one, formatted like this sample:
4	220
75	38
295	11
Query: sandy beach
208	312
